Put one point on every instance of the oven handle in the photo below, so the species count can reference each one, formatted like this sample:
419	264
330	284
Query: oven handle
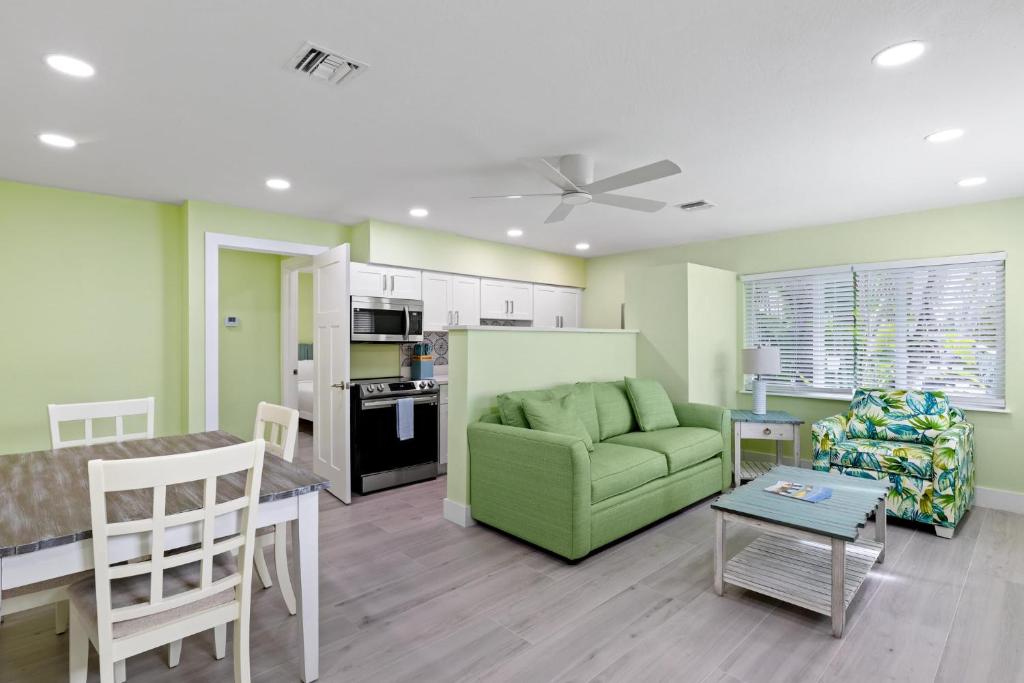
388	402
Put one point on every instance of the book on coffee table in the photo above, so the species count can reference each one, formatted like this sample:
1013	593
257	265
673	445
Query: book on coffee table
806	492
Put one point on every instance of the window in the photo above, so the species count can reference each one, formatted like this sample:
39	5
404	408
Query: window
936	324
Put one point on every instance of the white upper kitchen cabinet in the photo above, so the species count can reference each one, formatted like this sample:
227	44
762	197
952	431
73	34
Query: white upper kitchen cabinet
506	300
372	280
466	299
555	306
450	300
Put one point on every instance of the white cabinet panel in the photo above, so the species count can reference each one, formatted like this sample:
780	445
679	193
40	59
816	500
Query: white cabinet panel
569	307
368	280
404	283
521	295
465	296
555	306
506	300
437	301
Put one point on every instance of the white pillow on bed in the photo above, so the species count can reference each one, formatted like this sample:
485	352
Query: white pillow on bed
305	370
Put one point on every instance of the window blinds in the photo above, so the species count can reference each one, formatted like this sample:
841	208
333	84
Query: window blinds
936	324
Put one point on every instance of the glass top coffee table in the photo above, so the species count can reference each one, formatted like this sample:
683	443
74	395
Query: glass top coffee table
811	554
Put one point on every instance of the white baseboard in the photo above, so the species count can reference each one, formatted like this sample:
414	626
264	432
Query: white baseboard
459	513
998	499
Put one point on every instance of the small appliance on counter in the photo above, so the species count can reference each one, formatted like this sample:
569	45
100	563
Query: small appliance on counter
422	361
393	443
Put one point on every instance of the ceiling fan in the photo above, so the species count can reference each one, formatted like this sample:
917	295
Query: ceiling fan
575	178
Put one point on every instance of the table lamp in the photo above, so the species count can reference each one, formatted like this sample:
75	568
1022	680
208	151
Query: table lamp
759	361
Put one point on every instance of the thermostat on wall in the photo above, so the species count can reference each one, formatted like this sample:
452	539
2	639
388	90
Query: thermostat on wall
231	321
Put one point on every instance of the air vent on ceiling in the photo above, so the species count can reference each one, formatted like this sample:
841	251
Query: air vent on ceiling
324	65
698	205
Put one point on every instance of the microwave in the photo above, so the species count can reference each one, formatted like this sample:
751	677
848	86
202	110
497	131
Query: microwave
380	319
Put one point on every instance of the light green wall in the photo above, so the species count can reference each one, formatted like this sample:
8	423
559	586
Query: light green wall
712	339
992	226
375	360
305	308
250	354
92	307
485	363
402	245
656	304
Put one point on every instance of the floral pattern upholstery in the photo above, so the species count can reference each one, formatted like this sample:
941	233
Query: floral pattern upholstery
931	465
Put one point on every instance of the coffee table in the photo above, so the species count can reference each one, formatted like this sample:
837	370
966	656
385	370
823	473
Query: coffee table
811	554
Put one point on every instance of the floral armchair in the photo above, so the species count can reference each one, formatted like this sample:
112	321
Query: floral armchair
915	438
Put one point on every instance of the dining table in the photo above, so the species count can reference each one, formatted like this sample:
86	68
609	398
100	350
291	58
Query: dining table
45	516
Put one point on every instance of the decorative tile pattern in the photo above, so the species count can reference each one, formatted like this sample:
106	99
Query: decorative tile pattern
439	342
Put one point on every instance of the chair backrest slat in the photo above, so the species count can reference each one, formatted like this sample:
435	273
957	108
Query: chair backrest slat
157	474
284	427
88	412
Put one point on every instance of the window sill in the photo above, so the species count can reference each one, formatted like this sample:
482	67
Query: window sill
847	398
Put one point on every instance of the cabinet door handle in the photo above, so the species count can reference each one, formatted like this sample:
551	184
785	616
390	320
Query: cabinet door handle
384	284
392	284
456	317
513	306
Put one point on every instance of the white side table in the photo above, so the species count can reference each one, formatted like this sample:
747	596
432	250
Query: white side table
774	425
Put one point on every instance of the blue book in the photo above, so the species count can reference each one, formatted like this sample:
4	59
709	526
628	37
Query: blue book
805	492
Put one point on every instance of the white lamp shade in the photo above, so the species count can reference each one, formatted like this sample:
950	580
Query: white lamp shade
763	360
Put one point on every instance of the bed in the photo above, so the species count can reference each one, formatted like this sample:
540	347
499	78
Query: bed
305	386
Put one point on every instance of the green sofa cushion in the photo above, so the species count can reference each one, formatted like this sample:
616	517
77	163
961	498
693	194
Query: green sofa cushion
898	415
651	404
587	409
683	446
614	414
510	405
557	415
617	469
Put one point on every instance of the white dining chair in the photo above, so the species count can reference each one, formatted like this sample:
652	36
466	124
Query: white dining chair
130	608
279	427
88	412
54	592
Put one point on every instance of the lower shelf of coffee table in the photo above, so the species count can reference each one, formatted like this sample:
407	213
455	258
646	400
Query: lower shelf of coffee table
799	571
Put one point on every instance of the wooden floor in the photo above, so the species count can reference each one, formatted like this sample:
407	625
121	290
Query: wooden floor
407	596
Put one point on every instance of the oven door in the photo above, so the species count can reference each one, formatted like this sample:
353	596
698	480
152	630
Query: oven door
386	320
376	448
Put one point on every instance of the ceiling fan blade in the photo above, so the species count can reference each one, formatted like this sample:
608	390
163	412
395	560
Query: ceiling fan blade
622	201
553	175
516	196
559	214
644	174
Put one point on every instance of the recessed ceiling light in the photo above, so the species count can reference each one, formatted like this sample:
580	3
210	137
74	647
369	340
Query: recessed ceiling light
418	212
973	182
56	140
514	196
514	232
583	246
71	66
945	135
898	55
278	183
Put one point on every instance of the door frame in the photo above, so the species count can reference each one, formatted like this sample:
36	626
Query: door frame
290	270
216	241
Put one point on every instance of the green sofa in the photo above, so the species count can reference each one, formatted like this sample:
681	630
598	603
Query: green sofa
546	488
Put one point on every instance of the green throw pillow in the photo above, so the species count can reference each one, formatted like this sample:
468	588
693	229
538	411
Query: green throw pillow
557	415
651	404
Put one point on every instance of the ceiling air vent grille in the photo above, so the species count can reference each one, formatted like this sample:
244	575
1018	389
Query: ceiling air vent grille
324	65
698	205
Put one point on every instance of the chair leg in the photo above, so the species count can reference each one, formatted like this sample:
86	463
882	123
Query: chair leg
261	566
107	671
220	640
61	625
120	672
78	659
241	650
944	531
281	558
173	654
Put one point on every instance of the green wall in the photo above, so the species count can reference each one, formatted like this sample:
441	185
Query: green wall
250	354
403	245
305	308
485	363
93	307
977	228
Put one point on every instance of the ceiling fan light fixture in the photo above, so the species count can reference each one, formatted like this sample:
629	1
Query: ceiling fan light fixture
576	198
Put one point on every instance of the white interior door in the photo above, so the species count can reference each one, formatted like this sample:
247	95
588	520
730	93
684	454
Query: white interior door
331	369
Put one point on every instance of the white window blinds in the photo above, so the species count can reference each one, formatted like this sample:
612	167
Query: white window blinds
936	324
809	317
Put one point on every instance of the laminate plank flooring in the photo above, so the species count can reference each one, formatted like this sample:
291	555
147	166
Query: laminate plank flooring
407	596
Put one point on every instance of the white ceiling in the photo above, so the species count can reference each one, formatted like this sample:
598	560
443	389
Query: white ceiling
772	109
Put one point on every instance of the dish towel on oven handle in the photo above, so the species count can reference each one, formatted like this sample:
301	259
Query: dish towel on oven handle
405	418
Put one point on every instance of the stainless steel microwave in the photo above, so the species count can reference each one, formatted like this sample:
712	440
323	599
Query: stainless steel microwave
379	319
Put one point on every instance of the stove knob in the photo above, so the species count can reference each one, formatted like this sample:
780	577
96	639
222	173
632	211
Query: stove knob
370	389
380	387
421	384
430	384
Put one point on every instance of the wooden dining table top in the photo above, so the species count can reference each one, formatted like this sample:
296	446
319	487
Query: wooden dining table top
44	495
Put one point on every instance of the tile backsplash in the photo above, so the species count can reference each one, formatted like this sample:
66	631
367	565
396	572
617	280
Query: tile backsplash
438	340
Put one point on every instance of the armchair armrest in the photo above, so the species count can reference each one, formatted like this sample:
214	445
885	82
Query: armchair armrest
953	478
825	434
532	484
710	417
